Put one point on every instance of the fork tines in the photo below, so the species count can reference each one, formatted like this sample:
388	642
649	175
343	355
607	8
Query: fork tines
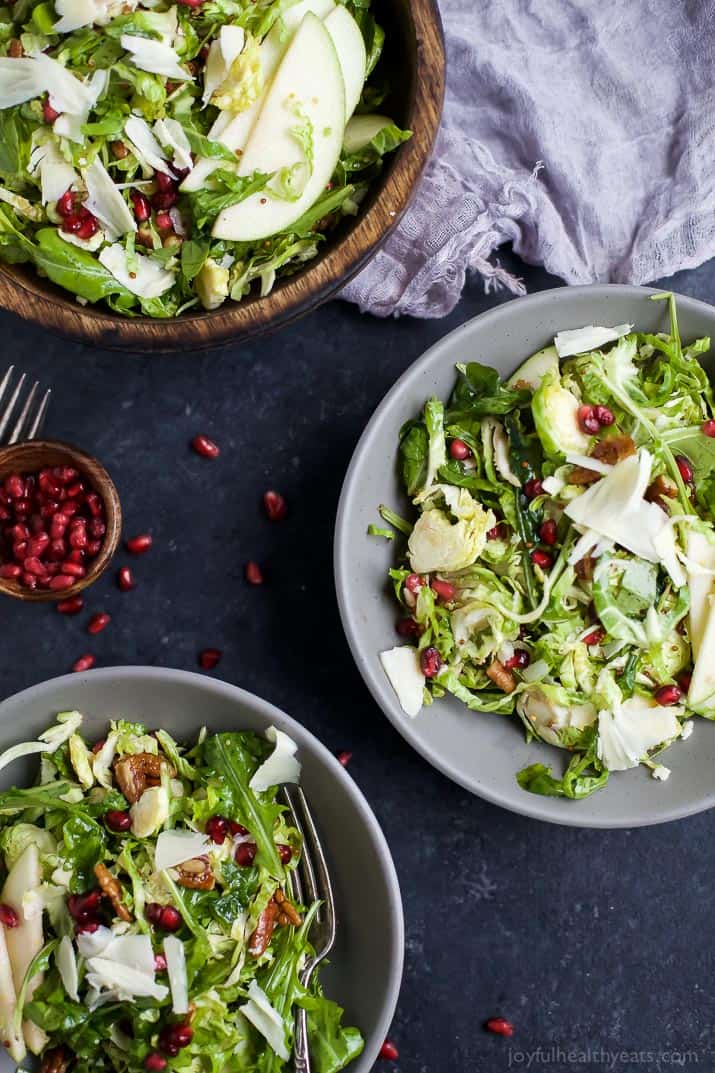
311	879
28	421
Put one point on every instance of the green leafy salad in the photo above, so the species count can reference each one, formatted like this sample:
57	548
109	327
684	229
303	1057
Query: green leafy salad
562	562
160	157
146	917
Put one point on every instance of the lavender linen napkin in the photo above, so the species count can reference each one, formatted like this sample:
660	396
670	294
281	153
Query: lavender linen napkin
583	131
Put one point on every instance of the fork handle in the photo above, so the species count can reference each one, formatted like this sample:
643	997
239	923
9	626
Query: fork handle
301	1052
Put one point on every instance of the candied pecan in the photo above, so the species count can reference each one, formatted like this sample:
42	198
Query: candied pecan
196	874
661	488
580	475
288	914
14	48
258	943
119	150
113	889
584	567
135	773
610	450
56	1060
501	676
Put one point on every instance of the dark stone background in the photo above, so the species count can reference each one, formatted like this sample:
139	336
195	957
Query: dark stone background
584	939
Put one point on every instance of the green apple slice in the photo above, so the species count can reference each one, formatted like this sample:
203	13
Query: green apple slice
350	47
309	82
362	129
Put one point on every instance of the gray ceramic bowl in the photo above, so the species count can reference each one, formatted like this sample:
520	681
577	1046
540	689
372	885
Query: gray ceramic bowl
366	965
484	752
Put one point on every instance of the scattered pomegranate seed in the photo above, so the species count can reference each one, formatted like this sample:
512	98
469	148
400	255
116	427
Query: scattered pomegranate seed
99	745
407	627
548	532
82	907
205	447
155	1062
708	428
87	928
139	545
49	114
684	679
236	828
413	583
499	1026
159	963
163	916
587	420
685	468
542	558
519	660
88	227
163	222
217	829
430	662
667	695
604	415
125	579
533	488
8	916
254	574
245	854
84	663
117	820
98	622
275	506
173	1038
284	852
210	658
459	450
141	206
344	757
444	589
389	1051
497	532
65	204
595	636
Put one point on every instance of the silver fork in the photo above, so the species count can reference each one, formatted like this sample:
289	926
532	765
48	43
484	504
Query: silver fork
310	882
28	421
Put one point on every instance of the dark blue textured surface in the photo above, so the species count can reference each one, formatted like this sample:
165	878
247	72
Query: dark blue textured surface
589	940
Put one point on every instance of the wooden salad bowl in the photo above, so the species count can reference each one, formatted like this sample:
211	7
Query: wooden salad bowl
414	60
33	455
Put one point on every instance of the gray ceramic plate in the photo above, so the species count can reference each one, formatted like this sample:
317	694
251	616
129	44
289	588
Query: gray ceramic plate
484	752
366	965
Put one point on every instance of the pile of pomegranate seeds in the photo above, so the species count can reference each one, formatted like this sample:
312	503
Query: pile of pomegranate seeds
52	526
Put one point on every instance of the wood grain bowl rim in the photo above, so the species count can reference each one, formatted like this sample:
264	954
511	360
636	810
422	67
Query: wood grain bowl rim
35	454
25	293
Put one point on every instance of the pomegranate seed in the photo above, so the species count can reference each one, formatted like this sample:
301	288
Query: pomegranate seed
66	474
71	606
99	745
684	679
19	550
604	416
245	854
88	227
94	547
708	428
275	506
444	589
58	551
159	963
430	662
519	660
95	504
210	658
10	570
141	206
29	581
164	222
284	852
125	579
34	566
460	450
217	829
407	627
344	757
595	636
205	447
138	545
98	622
685	468
236	828
254	574
97	528
548	532
168	919
72	223
175	1036
413	583
389	1051
65	204
500	1026
667	695
542	559
587	420
117	819
164	181
15	486
8	917
164	201
497	532
533	488
84	663
155	1062
153	912
61	581
82	906
88	928
73	569
38	545
49	114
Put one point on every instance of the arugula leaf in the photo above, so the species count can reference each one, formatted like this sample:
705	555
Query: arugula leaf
480	393
414	451
575	784
241	887
76	270
228	189
332	1046
84	845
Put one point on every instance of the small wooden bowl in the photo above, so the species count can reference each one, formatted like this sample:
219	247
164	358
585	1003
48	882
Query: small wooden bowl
29	458
414	63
